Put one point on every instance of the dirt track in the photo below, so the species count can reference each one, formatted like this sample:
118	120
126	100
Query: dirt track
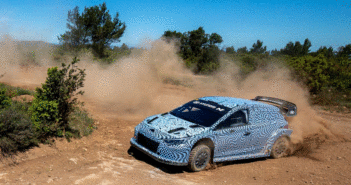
102	159
120	96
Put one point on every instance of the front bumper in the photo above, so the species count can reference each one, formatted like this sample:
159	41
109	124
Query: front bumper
182	161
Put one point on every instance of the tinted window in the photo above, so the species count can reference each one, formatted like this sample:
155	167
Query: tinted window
204	113
238	118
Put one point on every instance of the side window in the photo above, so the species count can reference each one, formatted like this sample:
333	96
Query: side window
239	118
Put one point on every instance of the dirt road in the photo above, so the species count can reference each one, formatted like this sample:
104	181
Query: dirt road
102	158
121	95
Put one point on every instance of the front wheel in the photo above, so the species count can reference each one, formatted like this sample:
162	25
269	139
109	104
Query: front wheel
199	158
281	148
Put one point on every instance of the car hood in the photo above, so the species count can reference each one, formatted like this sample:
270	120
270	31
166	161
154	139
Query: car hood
174	126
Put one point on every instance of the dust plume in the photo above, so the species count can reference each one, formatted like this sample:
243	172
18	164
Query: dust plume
157	81
23	63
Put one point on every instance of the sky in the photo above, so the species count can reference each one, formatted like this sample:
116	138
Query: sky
240	23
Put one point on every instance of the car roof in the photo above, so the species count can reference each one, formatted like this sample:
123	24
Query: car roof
231	102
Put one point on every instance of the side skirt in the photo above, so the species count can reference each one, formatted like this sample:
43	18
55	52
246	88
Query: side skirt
241	157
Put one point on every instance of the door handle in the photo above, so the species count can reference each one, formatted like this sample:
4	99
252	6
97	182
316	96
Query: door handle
247	133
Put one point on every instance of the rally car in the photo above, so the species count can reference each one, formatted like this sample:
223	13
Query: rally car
216	129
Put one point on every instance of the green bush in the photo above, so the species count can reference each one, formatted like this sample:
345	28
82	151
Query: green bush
5	100
16	132
15	91
319	72
55	100
209	60
45	116
80	121
250	63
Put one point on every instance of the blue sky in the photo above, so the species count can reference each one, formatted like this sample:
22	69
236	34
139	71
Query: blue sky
240	23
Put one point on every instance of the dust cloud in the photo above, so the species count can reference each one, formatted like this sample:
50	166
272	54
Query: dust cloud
157	81
14	58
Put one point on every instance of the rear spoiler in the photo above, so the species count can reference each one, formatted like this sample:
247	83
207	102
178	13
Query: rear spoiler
287	108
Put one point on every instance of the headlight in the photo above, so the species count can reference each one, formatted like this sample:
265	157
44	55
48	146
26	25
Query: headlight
174	141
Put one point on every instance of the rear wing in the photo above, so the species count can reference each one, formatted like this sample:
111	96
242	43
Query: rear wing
287	108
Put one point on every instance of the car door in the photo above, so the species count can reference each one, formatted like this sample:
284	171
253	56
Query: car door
231	135
262	124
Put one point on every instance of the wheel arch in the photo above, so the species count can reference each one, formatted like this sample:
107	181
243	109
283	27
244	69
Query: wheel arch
279	133
208	142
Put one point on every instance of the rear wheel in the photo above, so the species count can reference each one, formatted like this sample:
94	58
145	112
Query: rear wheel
199	158
281	147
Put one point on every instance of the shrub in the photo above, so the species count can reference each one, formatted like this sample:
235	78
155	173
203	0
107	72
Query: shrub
314	71
15	91
80	121
5	100
16	132
45	116
55	100
250	63
319	72
209	60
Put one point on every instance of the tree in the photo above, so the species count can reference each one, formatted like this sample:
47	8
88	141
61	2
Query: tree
215	39
230	50
242	50
327	52
197	48
258	47
172	35
77	36
93	28
306	47
344	51
275	52
197	40
297	49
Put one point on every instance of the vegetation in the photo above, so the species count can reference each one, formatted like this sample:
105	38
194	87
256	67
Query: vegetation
328	76
297	49
198	49
16	132
325	72
55	101
54	112
94	28
257	48
5	99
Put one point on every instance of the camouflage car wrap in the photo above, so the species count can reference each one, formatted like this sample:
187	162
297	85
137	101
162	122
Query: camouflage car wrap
169	137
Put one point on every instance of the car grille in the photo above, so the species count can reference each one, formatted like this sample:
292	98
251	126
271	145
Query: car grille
147	143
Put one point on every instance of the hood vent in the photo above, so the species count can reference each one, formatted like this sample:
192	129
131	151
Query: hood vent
175	130
153	119
164	113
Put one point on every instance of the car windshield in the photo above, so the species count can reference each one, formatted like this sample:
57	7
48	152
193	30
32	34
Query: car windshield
204	113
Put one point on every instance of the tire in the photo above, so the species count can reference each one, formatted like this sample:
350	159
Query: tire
131	151
199	158
281	148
